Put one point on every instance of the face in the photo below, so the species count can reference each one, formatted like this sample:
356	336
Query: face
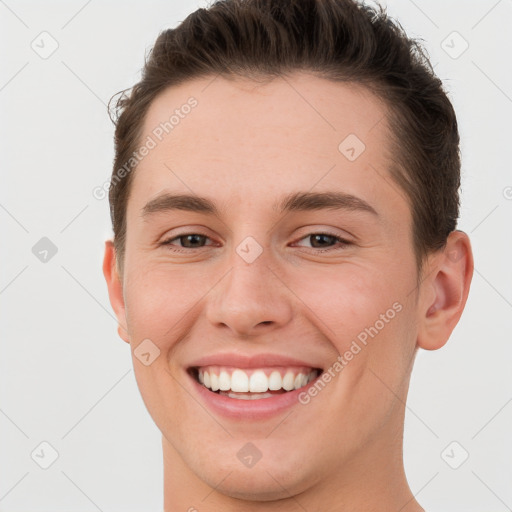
295	271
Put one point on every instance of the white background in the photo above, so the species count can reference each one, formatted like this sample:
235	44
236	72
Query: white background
66	377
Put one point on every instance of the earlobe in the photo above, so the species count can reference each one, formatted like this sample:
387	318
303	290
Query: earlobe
115	289
123	334
445	291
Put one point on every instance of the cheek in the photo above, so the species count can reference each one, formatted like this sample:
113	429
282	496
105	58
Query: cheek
346	301
366	314
160	301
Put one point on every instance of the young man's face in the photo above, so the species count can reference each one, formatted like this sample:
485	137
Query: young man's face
256	291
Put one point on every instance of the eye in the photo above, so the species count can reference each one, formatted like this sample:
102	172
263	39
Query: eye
187	241
323	241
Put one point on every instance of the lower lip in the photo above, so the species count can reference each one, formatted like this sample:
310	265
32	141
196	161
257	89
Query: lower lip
258	409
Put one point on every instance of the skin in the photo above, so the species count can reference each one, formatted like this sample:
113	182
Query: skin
245	146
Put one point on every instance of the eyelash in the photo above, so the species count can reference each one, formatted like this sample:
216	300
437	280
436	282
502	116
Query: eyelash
344	243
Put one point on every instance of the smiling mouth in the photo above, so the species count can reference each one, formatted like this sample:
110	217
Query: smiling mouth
254	383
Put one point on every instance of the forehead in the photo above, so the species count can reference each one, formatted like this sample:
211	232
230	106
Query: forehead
307	110
236	138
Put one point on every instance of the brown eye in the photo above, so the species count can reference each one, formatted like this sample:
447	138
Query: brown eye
192	241
324	242
187	241
322	239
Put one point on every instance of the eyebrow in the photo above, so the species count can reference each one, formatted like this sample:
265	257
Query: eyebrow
293	202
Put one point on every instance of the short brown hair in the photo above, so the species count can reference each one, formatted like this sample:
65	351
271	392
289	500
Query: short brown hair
340	40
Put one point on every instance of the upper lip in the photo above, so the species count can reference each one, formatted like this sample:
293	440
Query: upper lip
250	361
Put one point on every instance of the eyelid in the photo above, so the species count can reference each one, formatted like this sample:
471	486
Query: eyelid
339	240
308	230
319	230
167	239
185	230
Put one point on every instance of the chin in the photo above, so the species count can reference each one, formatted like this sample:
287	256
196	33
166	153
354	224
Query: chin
259	484
275	476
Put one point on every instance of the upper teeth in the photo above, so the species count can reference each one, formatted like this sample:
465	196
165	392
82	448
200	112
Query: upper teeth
254	380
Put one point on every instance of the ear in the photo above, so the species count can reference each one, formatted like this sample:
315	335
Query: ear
445	291
115	289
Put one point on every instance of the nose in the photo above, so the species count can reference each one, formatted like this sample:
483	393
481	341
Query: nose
250	300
